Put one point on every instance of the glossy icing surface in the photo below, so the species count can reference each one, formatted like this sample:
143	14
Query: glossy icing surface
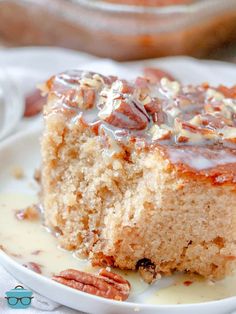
196	125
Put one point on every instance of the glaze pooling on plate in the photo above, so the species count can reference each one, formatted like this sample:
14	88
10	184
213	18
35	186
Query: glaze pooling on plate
28	241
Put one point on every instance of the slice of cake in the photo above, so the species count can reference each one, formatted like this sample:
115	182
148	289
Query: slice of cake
141	174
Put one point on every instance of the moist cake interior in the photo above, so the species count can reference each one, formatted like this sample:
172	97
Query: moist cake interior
141	174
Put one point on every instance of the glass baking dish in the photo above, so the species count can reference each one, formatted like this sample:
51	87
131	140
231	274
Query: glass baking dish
118	31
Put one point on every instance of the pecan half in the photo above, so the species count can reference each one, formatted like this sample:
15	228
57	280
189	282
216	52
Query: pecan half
125	114
119	107
188	283
37	175
107	284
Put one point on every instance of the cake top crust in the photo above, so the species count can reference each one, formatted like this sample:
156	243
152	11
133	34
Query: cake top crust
194	125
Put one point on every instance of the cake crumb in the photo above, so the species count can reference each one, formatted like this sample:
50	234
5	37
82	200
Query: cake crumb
210	282
30	213
36	252
188	283
17	172
37	176
2	248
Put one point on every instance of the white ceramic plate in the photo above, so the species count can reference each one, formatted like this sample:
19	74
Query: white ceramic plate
23	149
11	104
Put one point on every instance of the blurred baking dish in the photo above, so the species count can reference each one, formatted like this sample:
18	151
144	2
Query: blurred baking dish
121	29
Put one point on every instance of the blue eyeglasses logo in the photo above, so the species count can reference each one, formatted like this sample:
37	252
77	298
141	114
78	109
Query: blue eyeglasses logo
19	298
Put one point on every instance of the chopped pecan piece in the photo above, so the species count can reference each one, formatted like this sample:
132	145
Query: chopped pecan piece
154	108
34	103
142	82
120	108
107	284
124	87
160	133
2	248
36	252
155	75
183	139
229	92
214	123
125	114
213	94
102	260
29	213
171	88
188	283
34	267
81	99
189	132
229	134
37	175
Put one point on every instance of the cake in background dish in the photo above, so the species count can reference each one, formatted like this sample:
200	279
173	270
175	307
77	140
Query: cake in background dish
154	3
121	31
141	175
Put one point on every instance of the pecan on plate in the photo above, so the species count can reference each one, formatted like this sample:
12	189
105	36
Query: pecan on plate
34	103
107	284
34	267
30	213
